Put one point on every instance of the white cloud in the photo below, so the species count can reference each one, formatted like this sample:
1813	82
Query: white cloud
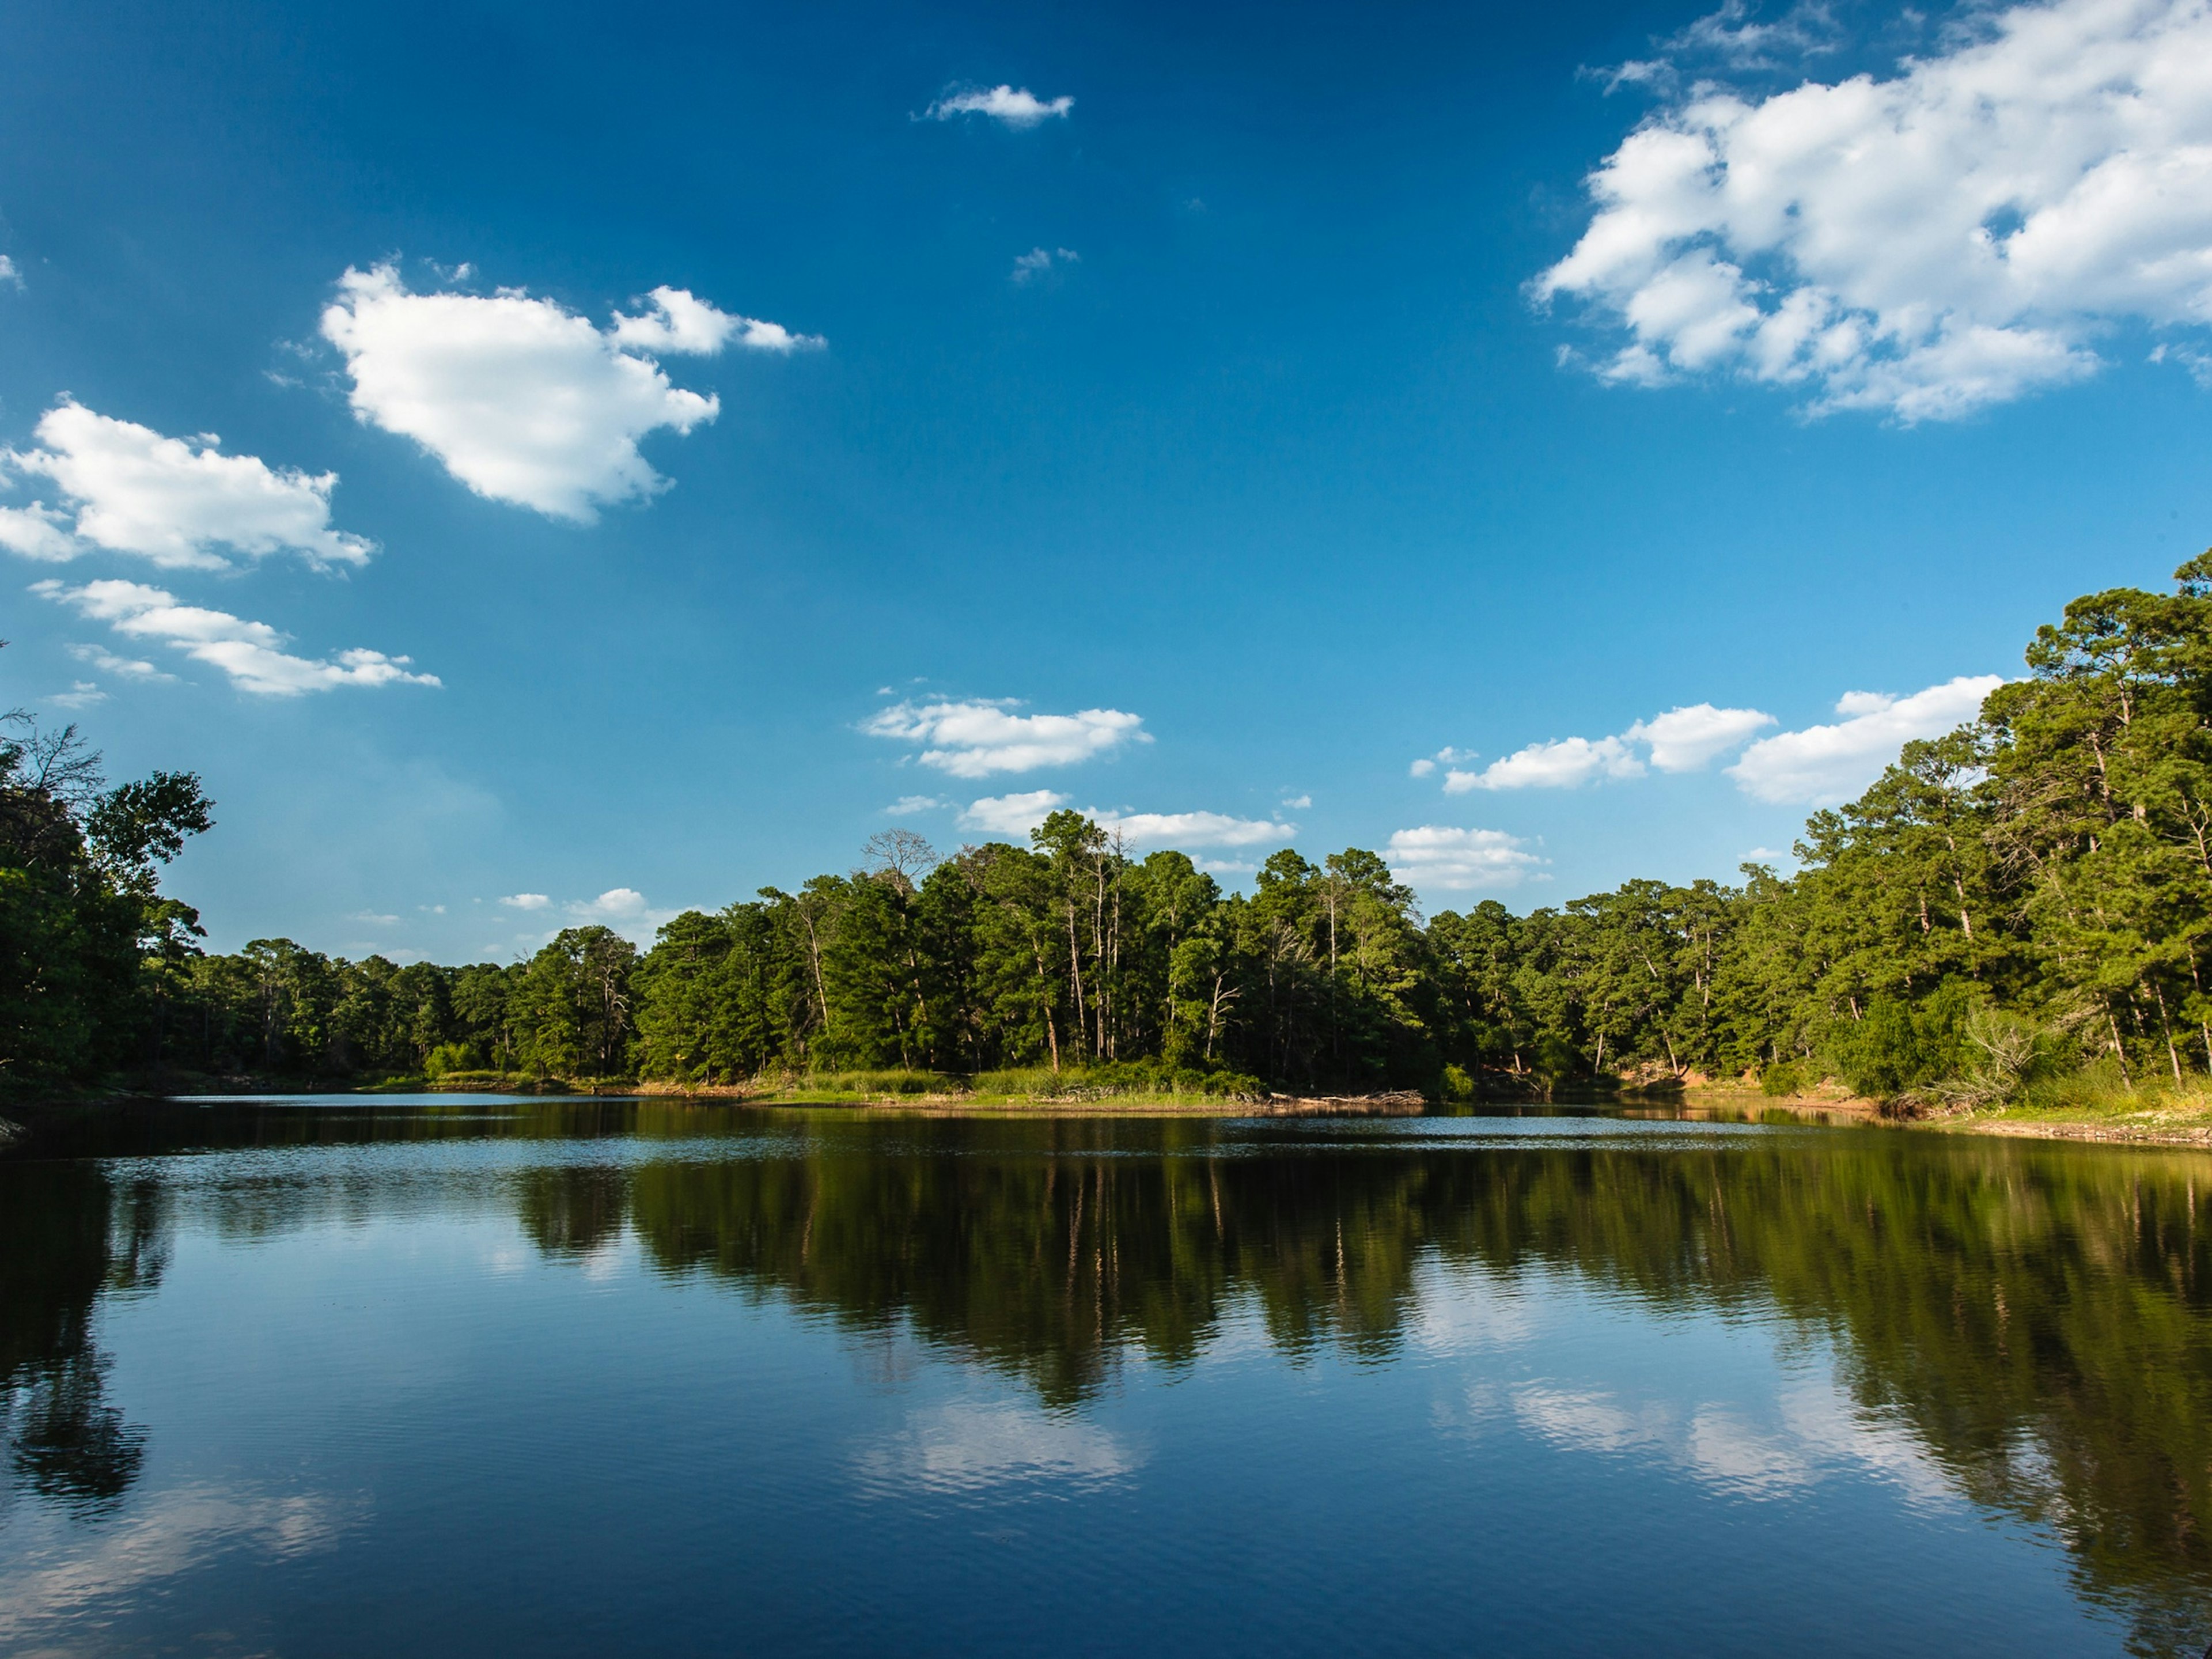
1688	739
1015	107
173	501
1954	236
373	915
616	904
974	740
675	320
523	400
1298	803
624	909
1822	765
1448	756
246	651
1191	829
1439	856
10	274
1010	815
127	668
38	532
1040	262
83	693
1558	765
909	803
1680	740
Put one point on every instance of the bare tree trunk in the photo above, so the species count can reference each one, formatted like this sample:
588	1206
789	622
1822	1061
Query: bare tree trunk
2173	1053
1044	986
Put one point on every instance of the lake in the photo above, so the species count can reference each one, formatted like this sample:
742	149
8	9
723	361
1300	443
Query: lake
456	1375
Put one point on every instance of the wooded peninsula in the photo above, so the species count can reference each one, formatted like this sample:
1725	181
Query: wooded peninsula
2014	914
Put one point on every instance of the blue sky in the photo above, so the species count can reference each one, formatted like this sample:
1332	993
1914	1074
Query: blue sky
1349	426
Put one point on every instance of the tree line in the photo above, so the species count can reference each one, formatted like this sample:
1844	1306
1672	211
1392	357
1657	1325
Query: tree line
2026	895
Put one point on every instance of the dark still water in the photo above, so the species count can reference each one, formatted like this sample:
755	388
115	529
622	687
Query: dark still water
607	1377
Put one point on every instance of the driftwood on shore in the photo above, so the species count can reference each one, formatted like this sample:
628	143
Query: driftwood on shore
1403	1102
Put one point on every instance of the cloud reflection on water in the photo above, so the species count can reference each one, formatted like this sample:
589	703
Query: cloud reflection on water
966	1446
67	1571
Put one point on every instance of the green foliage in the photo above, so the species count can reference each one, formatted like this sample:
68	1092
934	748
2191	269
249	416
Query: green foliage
1787	1077
2029	893
87	945
1896	1046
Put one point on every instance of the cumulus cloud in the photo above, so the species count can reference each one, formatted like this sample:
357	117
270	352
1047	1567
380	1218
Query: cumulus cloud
1447	756
1681	741
1823	765
675	320
1018	814
523	400
1010	815
1041	262
1951	237
123	668
1191	829
616	904
83	693
624	909
1439	856
10	274
910	804
1690	740
249	651
38	532
1014	106
176	502
976	738
1558	765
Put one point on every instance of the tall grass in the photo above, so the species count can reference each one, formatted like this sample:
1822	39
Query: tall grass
2100	1090
870	1085
1099	1082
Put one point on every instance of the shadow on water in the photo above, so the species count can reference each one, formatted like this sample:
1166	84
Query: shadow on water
66	1240
2037	1316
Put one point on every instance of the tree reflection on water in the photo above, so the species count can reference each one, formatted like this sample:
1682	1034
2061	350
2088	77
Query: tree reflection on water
65	1239
2035	1315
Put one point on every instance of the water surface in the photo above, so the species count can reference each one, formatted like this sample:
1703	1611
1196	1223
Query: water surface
461	1376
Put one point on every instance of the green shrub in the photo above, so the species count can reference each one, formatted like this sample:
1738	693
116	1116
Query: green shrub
1789	1077
451	1057
1556	1057
1894	1048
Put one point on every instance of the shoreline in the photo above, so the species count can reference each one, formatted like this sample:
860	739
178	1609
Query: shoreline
2151	1128
1403	1104
1726	1102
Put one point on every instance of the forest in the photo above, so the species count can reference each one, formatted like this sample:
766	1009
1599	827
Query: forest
2026	898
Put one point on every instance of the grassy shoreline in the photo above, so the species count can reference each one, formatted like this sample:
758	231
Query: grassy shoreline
2155	1113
